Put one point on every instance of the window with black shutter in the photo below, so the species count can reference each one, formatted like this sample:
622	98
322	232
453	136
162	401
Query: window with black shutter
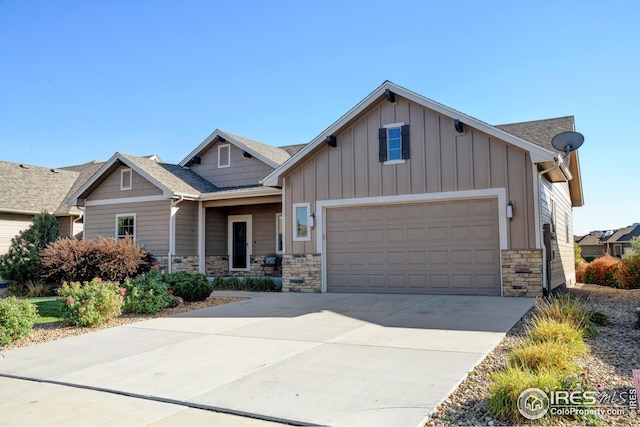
393	143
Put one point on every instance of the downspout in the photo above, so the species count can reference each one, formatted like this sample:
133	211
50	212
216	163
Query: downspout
172	231
545	273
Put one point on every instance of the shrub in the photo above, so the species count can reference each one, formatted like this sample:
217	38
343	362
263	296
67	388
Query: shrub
629	272
564	307
91	304
21	265
189	287
563	333
507	385
16	319
542	356
602	271
146	293
254	284
70	260
577	253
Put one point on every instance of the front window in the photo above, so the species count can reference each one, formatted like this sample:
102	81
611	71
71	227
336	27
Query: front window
279	234
301	221
126	226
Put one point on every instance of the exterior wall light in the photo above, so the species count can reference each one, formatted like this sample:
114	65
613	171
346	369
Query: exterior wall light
510	210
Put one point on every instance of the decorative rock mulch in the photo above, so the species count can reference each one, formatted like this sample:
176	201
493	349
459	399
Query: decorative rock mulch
614	353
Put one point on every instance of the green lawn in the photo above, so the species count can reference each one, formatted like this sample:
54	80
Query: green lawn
48	309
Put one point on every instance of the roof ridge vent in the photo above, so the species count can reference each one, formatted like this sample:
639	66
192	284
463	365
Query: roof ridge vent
24	166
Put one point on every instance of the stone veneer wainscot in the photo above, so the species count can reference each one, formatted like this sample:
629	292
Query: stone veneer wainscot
301	273
522	272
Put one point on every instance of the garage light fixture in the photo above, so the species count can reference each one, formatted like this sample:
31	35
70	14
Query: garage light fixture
510	210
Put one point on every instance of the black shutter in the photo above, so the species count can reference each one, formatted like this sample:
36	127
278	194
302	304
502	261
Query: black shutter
382	144
404	131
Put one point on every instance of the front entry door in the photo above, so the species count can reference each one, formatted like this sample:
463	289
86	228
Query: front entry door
239	232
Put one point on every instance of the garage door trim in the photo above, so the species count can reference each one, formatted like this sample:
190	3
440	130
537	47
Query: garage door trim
322	205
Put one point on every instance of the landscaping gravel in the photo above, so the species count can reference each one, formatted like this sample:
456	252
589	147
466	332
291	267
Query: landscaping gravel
614	353
53	331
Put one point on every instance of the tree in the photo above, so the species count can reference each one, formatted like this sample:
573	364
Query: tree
577	251
20	266
635	245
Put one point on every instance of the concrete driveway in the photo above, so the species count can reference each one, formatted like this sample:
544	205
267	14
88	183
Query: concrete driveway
329	359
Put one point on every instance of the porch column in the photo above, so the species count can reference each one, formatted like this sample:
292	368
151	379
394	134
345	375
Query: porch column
201	237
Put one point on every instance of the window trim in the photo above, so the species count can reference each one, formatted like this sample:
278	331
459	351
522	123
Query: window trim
228	147
122	173
135	225
280	228
399	127
296	237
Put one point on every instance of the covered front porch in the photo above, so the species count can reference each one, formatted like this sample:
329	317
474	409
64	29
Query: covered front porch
228	233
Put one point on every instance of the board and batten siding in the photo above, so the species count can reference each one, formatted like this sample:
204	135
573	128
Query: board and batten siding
152	223
110	187
242	170
187	229
563	258
441	160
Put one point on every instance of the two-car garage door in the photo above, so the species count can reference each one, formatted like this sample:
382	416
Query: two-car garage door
443	247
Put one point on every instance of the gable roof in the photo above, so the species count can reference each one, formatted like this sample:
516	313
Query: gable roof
538	153
624	235
272	156
27	189
173	180
540	132
590	240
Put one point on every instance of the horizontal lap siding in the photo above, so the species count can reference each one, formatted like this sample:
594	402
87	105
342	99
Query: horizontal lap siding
263	223
563	263
187	229
441	160
10	226
110	187
152	223
243	170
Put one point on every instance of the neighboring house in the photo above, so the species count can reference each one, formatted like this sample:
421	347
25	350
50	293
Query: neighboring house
400	195
209	213
618	243
405	195
27	190
591	245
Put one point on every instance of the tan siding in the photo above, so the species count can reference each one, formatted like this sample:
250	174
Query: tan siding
65	225
152	223
187	229
10	226
110	187
441	160
243	171
562	264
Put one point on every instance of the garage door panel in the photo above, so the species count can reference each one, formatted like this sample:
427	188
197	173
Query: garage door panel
428	247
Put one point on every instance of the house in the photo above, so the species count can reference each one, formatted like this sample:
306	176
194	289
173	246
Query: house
27	190
209	213
400	195
592	245
403	194
618	243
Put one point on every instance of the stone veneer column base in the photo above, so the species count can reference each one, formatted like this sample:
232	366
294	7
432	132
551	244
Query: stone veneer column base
522	272
301	273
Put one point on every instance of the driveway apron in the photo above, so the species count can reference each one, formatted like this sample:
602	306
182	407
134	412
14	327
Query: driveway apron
328	359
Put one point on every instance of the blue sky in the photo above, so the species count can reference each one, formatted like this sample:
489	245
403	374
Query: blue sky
80	80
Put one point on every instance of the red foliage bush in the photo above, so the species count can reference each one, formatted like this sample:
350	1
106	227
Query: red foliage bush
629	272
70	260
601	271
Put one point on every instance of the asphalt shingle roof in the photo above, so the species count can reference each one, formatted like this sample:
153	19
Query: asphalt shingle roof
275	154
540	132
624	234
176	178
32	189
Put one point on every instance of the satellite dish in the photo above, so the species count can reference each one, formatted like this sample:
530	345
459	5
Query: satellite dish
567	142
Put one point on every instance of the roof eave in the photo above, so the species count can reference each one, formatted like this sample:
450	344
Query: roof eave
538	154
